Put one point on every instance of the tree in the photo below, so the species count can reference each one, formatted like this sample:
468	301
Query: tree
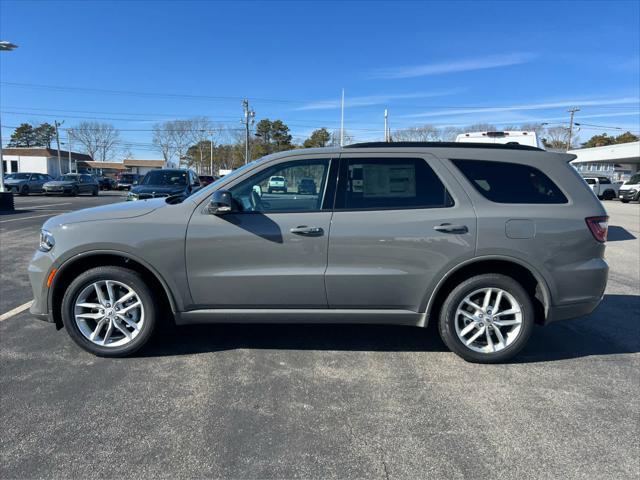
271	137
426	133
23	136
172	138
335	138
599	141
44	135
99	140
557	138
626	137
318	138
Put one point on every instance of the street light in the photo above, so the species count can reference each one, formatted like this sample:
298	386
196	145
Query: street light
4	47
7	46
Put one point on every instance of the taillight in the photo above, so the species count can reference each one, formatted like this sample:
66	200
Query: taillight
598	227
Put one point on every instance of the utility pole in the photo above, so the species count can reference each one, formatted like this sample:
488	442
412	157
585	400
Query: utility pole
386	125
249	116
342	120
69	145
57	124
211	156
572	111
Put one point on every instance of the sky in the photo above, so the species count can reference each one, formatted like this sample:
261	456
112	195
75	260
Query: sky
133	64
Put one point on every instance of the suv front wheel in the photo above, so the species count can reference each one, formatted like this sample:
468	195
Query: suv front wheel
109	311
487	319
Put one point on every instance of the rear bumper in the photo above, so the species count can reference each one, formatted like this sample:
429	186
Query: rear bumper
574	310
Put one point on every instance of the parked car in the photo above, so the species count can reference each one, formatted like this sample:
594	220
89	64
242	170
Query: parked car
277	184
106	183
484	240
630	191
307	185
207	179
603	187
165	183
24	183
124	181
72	184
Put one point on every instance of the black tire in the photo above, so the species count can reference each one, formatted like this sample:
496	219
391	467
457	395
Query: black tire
448	317
269	191
624	201
95	192
74	192
119	274
609	195
24	190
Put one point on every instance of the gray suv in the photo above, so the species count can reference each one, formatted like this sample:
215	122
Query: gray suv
484	239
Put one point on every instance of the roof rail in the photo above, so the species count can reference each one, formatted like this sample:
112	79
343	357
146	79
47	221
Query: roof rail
499	146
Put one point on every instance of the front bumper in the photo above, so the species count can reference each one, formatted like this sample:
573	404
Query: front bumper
629	194
58	190
38	271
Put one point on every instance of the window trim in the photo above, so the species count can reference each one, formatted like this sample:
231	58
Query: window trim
477	190
328	194
341	190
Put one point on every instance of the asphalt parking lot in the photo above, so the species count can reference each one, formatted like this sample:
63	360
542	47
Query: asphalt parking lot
319	401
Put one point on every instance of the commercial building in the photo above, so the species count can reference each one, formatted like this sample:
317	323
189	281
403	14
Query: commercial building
617	162
40	160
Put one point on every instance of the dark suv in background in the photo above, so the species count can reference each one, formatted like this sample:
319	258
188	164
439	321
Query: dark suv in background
484	239
165	183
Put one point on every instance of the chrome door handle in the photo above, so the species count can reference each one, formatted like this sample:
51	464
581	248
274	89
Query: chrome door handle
307	231
448	228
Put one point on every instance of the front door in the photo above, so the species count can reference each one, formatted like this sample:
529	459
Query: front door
271	251
400	222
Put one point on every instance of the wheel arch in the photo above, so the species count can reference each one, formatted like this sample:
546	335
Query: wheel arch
83	262
532	281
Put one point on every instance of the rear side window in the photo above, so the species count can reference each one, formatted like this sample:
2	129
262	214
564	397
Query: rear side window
503	182
390	183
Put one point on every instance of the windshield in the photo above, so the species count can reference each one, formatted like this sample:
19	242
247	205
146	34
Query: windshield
634	180
18	176
166	177
68	178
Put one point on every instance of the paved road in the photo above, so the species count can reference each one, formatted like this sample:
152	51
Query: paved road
321	401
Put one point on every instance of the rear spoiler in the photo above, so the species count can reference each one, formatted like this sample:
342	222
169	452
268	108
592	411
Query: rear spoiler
564	157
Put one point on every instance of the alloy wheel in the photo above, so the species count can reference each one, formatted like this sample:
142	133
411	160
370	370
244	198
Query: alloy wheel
488	320
109	313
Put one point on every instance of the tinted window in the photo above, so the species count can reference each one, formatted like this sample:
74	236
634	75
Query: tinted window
391	183
259	193
165	177
605	181
590	181
504	182
87	179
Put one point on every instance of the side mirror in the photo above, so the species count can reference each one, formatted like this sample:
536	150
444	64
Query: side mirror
221	202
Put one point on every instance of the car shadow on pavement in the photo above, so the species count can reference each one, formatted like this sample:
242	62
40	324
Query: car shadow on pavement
614	328
617	234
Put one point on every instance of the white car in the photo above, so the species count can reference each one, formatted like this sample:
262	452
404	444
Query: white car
277	184
603	187
630	191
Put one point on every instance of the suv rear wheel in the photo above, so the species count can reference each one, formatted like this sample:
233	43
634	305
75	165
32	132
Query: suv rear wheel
487	319
109	311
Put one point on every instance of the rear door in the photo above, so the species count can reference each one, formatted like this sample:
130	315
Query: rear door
400	223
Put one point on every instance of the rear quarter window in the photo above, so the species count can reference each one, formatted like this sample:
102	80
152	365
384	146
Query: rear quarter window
504	182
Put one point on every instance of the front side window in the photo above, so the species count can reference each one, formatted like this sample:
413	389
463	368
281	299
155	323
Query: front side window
504	182
391	183
280	188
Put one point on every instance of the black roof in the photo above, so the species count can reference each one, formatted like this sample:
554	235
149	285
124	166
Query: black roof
499	146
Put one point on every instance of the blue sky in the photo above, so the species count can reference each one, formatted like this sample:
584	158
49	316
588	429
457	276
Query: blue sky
453	63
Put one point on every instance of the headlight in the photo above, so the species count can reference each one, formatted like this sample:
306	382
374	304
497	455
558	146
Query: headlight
132	196
46	241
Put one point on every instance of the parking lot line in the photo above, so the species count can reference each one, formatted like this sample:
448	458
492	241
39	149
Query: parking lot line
15	311
50	205
33	216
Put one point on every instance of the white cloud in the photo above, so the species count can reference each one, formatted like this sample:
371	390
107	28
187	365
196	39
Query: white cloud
532	106
467	65
369	100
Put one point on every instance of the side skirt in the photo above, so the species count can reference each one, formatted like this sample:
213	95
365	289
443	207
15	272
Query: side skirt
379	317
